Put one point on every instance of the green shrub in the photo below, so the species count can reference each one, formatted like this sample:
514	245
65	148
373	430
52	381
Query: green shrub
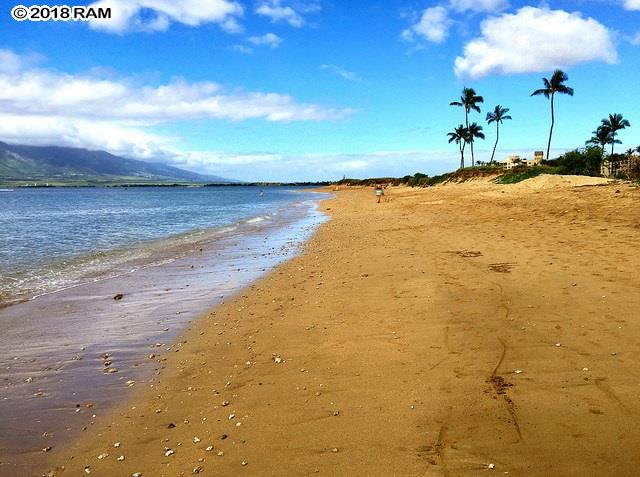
581	162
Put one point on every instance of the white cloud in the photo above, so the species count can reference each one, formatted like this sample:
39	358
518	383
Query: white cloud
632	4
247	50
489	6
635	39
270	39
46	93
39	106
343	73
534	40
433	25
157	15
293	13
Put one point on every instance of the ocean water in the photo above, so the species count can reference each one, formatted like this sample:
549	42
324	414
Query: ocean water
56	238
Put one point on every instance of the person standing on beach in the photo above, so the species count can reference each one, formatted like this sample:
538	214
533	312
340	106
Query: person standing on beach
379	192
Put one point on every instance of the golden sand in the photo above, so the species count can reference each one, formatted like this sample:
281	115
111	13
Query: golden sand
463	330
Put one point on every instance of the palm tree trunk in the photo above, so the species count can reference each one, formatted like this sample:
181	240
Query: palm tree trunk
613	141
496	144
466	121
464	145
551	130
473	159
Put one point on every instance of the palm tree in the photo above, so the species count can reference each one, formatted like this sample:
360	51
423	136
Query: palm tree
469	100
615	122
460	135
474	131
498	115
601	137
551	87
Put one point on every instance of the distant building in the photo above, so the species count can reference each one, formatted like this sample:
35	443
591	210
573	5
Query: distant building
515	161
619	167
538	156
511	162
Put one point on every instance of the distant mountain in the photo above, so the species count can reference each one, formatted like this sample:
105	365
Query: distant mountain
73	165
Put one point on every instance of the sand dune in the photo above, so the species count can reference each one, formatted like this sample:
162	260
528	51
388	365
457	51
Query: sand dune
463	330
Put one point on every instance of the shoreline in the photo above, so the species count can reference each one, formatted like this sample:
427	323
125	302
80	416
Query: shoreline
448	331
42	278
53	380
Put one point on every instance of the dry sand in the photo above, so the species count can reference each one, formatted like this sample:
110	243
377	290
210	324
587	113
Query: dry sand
463	330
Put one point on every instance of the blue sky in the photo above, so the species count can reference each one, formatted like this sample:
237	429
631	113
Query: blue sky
305	90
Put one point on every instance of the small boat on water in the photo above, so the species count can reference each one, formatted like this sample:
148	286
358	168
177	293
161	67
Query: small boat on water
6	190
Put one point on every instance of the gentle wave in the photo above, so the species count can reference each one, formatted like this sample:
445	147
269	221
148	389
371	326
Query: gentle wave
97	266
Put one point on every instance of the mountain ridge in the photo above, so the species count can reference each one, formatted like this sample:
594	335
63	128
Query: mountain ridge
59	164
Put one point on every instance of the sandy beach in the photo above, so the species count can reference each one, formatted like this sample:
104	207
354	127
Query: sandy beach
459	330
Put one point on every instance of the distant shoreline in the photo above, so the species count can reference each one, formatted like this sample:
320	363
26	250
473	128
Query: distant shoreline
176	184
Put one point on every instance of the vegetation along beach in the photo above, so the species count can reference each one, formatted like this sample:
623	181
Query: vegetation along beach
302	237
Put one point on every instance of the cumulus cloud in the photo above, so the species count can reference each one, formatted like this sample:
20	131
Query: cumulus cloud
632	4
534	40
157	15
433	26
270	39
489	6
39	106
291	13
343	73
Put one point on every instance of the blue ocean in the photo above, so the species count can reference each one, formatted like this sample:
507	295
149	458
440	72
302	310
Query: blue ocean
52	238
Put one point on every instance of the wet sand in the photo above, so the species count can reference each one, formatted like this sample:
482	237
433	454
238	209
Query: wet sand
70	356
463	330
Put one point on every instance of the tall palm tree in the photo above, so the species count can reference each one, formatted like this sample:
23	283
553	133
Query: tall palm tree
551	87
498	115
601	137
474	131
460	135
615	122
469	100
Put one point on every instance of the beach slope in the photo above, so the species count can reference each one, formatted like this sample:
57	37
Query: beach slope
452	331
